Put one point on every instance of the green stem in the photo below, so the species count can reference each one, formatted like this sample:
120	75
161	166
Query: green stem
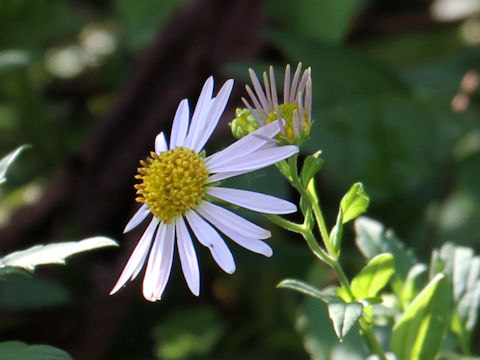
286	224
330	256
371	340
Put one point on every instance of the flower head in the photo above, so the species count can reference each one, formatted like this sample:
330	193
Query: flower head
178	186
293	114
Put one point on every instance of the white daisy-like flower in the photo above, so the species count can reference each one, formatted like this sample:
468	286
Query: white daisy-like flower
293	114
177	186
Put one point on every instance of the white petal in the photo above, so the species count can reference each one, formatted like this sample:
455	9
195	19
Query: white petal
160	143
210	238
180	125
188	257
245	145
293	89
167	245
255	245
200	113
152	272
137	218
159	264
256	160
259	90
286	84
137	259
224	175
254	201
216	111
216	214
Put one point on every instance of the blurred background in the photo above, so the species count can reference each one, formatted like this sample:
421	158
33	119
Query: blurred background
89	84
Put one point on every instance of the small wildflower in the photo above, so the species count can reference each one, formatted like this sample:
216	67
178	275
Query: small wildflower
293	114
178	185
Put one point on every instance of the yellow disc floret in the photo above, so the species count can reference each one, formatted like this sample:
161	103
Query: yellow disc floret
171	182
286	112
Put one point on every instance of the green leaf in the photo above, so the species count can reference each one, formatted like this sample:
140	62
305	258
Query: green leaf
6	161
17	350
312	165
354	203
337	233
463	268
374	276
344	316
309	290
53	253
372	239
416	278
419	333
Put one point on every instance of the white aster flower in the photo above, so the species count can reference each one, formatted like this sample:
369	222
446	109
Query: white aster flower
293	114
177	186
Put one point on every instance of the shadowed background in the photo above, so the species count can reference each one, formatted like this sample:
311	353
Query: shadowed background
90	84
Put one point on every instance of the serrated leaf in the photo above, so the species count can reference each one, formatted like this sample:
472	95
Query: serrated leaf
374	276
16	350
7	160
312	164
354	203
54	253
344	316
419	333
308	290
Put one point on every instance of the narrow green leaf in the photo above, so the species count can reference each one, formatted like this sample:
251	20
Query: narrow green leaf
309	290
7	160
354	203
54	253
311	166
374	276
419	333
17	350
344	316
337	233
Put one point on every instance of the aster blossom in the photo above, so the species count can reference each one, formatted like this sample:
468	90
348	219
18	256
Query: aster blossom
293	113
178	186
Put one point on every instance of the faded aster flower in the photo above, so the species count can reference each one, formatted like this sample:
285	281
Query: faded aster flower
293	114
178	186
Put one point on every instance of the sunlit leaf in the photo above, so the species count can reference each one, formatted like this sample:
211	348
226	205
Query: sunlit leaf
53	253
372	239
344	316
416	279
311	165
374	276
6	161
308	290
16	350
354	203
419	333
463	268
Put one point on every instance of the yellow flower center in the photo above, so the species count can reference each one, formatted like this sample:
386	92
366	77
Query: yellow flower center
172	182
286	111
